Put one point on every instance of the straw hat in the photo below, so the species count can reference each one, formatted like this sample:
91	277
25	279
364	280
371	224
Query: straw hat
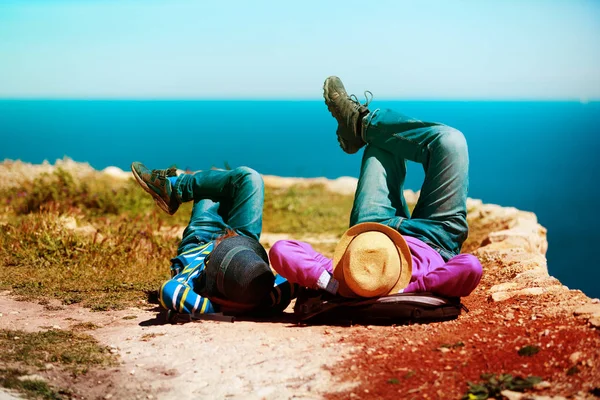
371	260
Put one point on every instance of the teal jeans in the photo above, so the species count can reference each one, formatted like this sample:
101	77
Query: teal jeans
223	200
440	215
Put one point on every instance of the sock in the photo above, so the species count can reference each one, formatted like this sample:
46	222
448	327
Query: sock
172	179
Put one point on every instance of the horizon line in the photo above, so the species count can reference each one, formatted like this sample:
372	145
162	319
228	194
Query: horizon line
307	99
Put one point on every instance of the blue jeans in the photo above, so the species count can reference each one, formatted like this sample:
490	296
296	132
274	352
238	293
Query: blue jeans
222	200
440	216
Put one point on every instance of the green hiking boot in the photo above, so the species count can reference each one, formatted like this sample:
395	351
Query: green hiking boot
348	112
156	183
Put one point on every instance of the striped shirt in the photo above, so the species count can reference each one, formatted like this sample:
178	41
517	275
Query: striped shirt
177	294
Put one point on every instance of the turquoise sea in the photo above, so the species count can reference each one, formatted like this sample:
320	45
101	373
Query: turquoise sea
537	156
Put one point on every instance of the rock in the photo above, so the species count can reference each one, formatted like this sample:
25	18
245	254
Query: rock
510	395
32	377
591	309
116	173
542	385
88	231
501	296
523	236
343	185
575	357
503	287
591	312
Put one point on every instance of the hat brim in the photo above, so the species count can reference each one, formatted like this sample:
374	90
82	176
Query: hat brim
232	306
399	242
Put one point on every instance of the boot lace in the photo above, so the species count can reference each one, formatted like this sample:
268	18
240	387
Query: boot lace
165	173
368	98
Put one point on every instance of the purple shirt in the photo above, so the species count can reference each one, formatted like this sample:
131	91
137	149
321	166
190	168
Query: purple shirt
299	263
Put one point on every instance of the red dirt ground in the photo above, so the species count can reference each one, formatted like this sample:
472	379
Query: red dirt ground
407	361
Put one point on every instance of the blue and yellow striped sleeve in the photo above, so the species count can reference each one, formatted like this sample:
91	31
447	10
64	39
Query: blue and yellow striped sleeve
180	297
177	294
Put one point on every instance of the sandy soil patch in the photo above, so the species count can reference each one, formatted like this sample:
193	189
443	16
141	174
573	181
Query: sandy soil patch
199	359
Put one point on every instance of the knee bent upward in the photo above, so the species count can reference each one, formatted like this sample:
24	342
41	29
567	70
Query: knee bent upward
277	252
452	141
248	175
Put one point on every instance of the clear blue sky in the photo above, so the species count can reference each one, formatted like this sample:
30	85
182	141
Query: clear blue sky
432	49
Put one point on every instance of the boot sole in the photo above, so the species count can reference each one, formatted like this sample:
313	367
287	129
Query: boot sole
333	114
326	97
159	202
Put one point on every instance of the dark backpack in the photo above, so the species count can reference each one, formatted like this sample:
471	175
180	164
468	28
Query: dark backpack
314	306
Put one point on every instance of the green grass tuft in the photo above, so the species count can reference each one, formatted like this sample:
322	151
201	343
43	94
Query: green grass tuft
84	326
493	385
36	389
75	351
528	351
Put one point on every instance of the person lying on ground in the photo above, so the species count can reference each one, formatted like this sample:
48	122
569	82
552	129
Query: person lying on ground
388	249
220	264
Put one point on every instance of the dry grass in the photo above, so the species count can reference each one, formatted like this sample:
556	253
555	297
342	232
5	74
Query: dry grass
302	210
97	242
41	258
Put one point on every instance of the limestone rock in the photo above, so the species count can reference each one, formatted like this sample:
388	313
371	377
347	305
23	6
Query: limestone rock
501	296
575	357
117	173
32	377
510	395
88	231
591	312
